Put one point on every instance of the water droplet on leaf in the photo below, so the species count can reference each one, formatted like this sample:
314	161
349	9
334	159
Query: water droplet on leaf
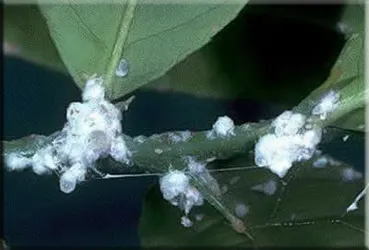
122	69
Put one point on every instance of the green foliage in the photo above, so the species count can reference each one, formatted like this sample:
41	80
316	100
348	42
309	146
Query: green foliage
26	36
261	56
304	211
308	209
159	37
347	75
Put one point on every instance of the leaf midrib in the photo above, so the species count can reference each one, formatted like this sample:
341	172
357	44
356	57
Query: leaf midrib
118	46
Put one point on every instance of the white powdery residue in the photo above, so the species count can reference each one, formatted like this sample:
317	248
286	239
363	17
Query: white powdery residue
326	105
185	135
349	174
290	144
14	161
241	210
321	162
181	136
268	187
223	127
186	222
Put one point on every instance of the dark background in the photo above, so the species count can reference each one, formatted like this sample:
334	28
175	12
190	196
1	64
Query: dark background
285	48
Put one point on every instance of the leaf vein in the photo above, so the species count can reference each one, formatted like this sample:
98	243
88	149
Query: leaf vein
176	26
86	27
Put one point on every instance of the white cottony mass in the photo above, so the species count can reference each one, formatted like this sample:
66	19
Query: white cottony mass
326	105
92	131
291	142
176	188
223	127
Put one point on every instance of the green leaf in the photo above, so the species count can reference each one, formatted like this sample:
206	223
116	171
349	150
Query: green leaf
355	120
307	209
150	37
26	36
252	57
347	75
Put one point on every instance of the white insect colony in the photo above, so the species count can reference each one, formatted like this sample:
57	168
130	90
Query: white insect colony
186	222
15	161
195	167
181	136
92	131
43	161
223	127
175	187
326	105
291	142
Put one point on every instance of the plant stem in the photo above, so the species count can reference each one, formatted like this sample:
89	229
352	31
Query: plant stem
119	45
158	152
145	153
